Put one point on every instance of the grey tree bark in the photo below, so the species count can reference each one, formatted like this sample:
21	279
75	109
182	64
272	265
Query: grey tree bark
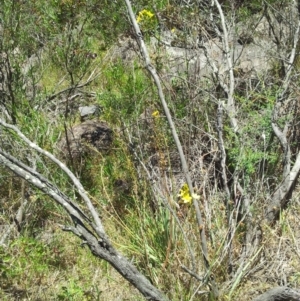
89	229
279	294
151	69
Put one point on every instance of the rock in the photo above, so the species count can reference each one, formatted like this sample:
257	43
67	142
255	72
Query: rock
89	112
252	44
91	135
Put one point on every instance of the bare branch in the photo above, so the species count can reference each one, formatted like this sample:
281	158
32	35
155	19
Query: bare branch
151	69
222	148
91	78
78	185
41	183
289	68
282	192
279	294
284	189
230	106
100	246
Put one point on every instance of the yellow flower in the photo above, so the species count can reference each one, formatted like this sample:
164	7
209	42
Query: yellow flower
184	194
155	114
143	15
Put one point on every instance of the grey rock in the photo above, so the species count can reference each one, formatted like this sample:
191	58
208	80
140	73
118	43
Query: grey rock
89	112
252	44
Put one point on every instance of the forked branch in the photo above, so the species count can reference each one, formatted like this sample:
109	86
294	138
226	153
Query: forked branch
151	69
290	174
89	230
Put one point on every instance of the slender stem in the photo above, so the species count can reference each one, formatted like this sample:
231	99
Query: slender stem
99	228
151	69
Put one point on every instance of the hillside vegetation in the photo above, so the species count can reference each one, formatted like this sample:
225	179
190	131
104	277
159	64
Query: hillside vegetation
223	227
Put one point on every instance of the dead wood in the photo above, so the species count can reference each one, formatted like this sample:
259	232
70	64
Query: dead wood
279	294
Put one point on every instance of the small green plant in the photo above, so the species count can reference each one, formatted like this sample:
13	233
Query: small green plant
124	92
152	237
71	292
144	16
147	22
24	254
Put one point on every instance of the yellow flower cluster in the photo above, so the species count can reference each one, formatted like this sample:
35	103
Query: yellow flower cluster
144	15
184	195
155	114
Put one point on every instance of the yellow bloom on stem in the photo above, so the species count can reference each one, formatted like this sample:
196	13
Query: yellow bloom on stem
155	114
144	15
184	194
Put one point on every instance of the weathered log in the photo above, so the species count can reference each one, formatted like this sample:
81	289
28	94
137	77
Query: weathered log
279	294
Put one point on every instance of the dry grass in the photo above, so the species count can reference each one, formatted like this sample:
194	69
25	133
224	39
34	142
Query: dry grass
59	268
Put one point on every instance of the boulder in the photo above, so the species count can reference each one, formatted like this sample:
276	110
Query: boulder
252	43
84	138
89	112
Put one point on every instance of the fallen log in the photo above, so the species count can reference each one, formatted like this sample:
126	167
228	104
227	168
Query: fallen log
279	294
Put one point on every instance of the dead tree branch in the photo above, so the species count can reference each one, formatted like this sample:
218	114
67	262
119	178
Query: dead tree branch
99	228
280	294
90	231
230	106
151	69
283	191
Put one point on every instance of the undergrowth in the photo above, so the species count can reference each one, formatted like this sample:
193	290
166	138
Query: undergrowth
135	185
